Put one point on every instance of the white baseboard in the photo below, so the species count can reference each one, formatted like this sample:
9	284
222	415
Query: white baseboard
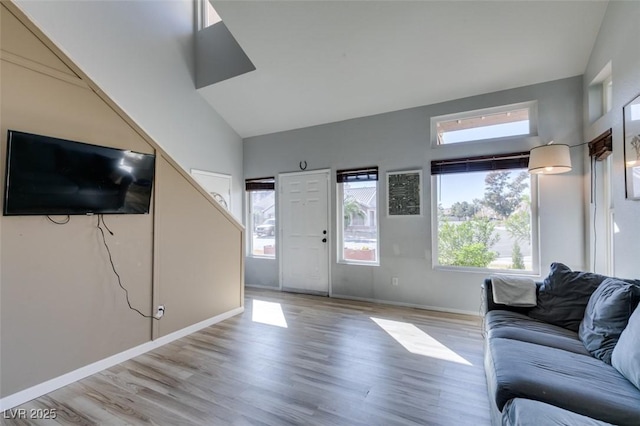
44	388
381	301
265	287
407	305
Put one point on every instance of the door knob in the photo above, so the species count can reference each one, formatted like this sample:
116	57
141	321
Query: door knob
324	232
324	240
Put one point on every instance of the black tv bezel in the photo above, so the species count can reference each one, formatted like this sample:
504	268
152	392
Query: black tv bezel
11	132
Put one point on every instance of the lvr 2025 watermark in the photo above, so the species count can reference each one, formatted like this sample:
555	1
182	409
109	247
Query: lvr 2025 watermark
30	413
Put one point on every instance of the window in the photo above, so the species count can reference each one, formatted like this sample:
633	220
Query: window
485	208
607	94
358	218
261	220
489	123
600	93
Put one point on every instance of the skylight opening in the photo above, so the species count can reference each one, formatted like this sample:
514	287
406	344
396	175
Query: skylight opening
417	341
209	15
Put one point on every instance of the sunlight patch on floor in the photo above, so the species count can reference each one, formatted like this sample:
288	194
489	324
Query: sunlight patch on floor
268	313
417	341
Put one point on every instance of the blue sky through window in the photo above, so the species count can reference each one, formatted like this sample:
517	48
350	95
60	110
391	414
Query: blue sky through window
487	132
460	187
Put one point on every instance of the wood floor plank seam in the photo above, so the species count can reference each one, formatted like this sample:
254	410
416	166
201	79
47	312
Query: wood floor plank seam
334	362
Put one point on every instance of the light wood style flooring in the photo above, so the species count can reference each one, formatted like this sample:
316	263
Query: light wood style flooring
337	362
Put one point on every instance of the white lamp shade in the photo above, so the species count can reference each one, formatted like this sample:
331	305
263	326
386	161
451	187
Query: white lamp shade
550	159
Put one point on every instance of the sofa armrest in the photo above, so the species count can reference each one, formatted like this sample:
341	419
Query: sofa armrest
488	304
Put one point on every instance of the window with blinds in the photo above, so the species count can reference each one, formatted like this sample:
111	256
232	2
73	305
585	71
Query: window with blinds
485	210
261	217
358	219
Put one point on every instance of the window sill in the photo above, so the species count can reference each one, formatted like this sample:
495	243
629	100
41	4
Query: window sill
257	256
360	263
486	271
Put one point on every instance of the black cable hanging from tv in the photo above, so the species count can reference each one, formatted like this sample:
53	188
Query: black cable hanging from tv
113	267
63	222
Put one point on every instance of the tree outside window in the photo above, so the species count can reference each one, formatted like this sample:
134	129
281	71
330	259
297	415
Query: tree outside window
359	221
484	220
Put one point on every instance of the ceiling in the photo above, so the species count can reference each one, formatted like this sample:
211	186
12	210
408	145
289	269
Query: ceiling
325	61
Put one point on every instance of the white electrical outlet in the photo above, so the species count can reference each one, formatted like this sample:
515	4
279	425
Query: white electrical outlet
394	281
160	312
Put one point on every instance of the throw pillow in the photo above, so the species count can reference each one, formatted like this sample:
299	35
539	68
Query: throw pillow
626	355
563	296
607	315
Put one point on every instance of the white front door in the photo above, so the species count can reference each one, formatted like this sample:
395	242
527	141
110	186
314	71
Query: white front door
304	230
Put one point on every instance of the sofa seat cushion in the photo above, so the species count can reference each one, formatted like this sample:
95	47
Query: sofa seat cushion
574	382
517	326
527	412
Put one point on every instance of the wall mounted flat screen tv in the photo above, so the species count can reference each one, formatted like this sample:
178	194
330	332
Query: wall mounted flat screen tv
50	176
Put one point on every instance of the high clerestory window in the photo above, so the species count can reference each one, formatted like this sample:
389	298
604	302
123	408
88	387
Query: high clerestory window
600	94
485	124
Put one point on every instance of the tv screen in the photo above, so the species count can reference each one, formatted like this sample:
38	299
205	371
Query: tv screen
50	176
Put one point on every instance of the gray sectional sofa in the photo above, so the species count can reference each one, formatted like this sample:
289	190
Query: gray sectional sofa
573	359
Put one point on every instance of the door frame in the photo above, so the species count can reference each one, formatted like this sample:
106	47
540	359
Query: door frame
329	222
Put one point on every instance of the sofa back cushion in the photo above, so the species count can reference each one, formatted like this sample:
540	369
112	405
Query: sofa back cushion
564	295
607	315
626	355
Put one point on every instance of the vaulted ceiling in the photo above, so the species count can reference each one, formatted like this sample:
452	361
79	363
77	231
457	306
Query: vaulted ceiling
324	61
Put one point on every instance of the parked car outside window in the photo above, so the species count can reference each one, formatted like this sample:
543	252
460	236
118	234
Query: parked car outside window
268	228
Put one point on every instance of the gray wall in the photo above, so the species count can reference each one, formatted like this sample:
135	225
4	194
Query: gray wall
617	42
142	54
401	140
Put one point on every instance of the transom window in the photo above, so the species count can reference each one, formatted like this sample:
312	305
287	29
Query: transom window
481	125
